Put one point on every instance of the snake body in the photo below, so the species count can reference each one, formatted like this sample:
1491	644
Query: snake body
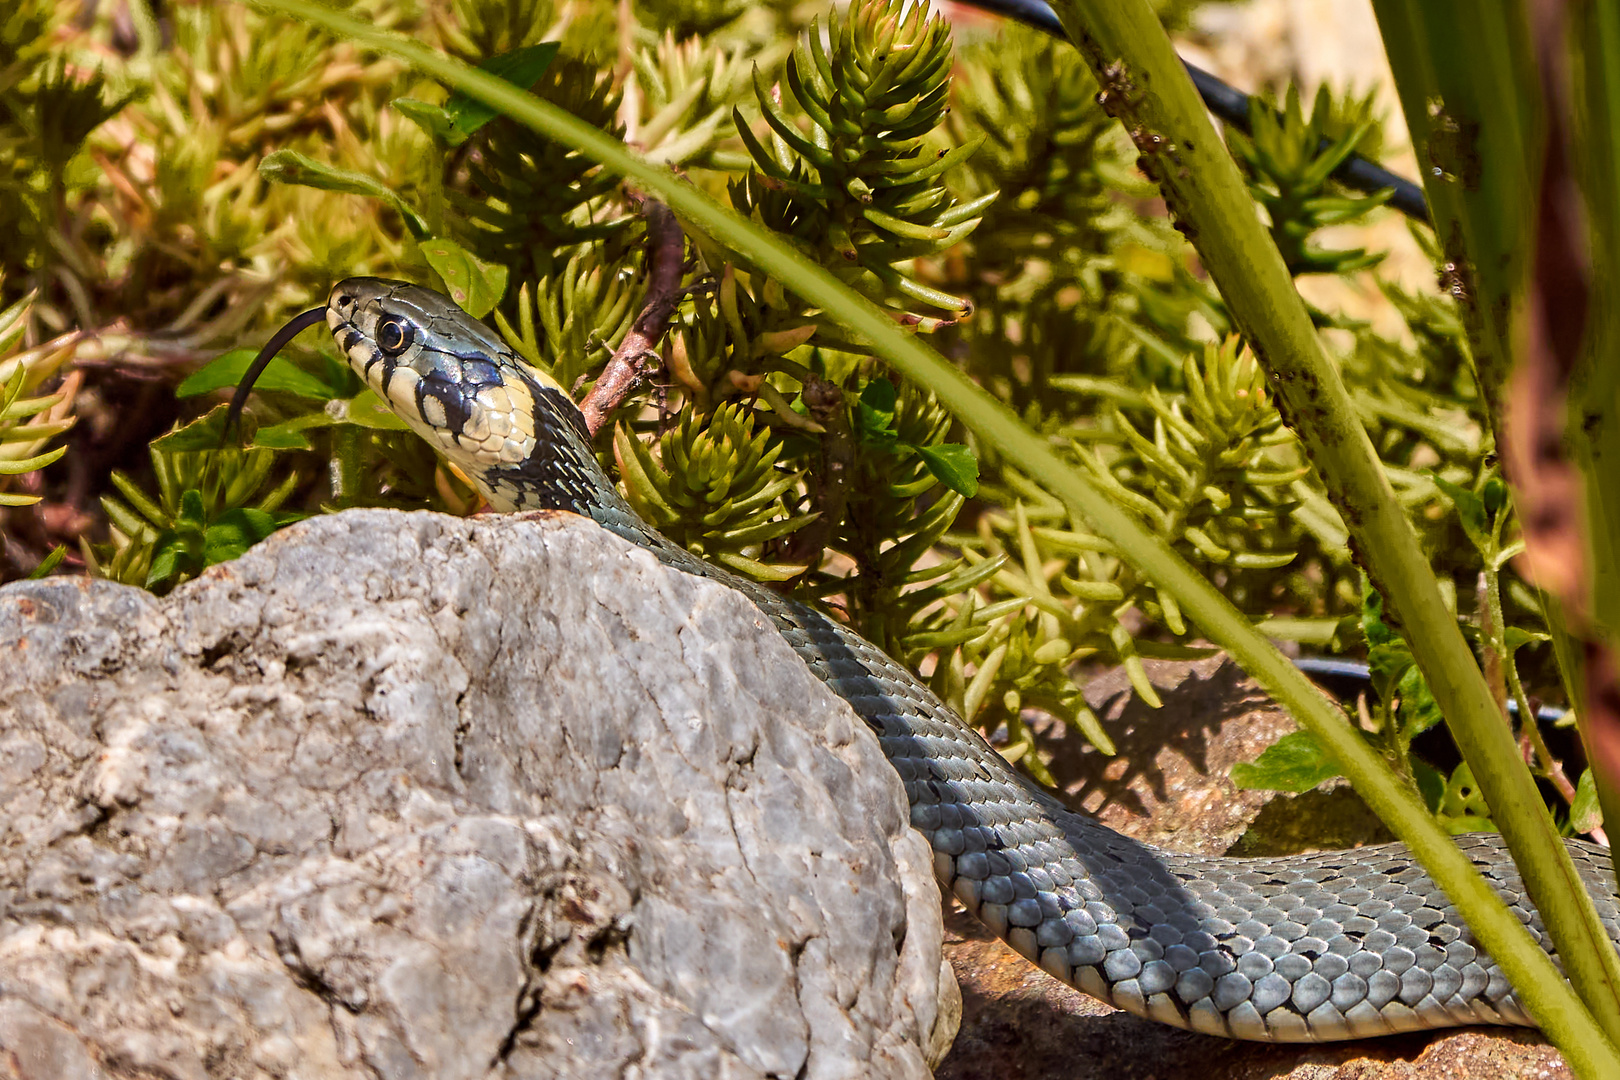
1337	945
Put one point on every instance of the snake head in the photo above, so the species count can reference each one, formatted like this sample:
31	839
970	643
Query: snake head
456	384
443	372
506	425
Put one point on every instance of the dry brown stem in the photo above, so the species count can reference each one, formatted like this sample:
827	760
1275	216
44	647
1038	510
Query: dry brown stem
637	355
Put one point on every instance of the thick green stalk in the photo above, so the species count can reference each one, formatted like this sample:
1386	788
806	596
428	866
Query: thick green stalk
1467	86
1594	418
1546	994
1595	384
1145	86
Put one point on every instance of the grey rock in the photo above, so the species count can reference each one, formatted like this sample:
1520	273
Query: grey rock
401	795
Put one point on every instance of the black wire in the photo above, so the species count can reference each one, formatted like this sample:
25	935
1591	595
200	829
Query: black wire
1232	106
1347	678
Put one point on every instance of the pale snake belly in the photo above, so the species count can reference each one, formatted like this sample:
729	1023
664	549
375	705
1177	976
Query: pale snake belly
1336	945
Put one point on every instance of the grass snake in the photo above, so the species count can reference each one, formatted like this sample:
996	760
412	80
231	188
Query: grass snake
1304	948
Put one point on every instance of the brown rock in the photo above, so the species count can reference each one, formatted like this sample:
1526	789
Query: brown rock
1168	784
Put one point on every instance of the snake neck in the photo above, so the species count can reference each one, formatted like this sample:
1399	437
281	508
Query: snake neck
561	472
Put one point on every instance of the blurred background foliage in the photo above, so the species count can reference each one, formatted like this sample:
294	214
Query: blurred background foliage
176	180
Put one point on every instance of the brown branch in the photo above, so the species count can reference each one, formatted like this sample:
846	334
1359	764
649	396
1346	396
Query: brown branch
637	355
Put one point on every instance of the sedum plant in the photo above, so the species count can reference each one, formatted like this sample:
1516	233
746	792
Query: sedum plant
1291	160
29	420
859	190
1216	466
714	488
210	507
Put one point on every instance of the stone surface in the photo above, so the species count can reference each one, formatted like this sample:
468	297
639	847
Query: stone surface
410	796
1169	786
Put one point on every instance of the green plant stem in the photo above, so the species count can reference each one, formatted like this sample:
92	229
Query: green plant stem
1595	383
1527	966
1497	620
347	466
1147	88
1467	86
1496	623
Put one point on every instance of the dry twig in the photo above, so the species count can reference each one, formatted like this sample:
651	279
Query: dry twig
637	356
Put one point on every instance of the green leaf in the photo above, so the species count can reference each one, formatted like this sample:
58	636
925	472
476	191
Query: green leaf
1431	783
234	532
1387	665
1584	813
1373	626
368	411
1419	711
291	167
757	570
1463	807
283	437
520	67
954	466
177	550
874	413
1467	823
1470	509
205	433
165	561
280	374
289	435
471	282
18	466
1516	638
343	379
192	517
1169	650
432	119
1396	677
51	561
1495	494
1295	763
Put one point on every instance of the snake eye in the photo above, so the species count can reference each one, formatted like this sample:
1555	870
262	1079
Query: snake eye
394	336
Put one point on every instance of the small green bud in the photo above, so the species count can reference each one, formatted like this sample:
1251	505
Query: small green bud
1495	494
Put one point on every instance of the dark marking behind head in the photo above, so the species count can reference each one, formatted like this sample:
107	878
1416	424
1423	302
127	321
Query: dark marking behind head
449	395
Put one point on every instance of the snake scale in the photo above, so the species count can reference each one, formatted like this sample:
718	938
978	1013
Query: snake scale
1336	945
